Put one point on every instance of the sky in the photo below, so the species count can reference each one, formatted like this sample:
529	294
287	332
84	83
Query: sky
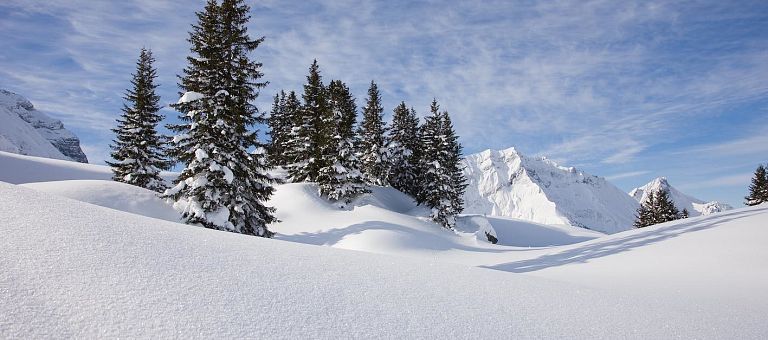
628	90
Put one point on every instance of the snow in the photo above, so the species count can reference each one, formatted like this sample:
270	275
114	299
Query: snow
376	268
190	97
507	183
682	201
101	273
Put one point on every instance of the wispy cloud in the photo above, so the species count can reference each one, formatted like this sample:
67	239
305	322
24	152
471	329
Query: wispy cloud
629	174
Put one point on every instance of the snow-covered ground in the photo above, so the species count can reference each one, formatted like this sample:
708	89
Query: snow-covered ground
73	265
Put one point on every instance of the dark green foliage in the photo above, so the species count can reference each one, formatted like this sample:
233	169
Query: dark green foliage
224	184
312	131
442	182
280	126
404	148
758	189
374	154
657	208
138	149
684	213
340	179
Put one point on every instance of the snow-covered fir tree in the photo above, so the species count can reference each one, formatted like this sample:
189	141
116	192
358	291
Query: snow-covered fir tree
758	189
280	126
404	148
224	183
657	208
340	179
312	130
374	153
138	149
441	184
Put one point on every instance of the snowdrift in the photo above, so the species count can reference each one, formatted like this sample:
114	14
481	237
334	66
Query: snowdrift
72	269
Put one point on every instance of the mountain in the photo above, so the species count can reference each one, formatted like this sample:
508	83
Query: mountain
682	201
27	131
507	183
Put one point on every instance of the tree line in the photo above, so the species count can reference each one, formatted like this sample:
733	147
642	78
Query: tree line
225	182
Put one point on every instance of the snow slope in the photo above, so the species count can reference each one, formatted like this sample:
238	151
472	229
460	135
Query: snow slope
507	183
682	201
24	130
101	273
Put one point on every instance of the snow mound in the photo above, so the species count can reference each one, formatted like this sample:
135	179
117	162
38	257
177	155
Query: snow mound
18	169
507	183
27	131
682	201
101	273
113	195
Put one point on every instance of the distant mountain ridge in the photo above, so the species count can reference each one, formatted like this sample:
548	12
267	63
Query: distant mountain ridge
507	183
682	201
27	131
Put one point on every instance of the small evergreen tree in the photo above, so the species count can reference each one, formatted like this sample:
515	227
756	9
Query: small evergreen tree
340	179
138	149
442	184
657	208
223	185
374	153
403	144
758	189
684	213
280	126
644	216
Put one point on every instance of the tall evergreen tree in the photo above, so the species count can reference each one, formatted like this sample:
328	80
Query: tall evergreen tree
404	143
223	185
280	126
311	130
442	184
374	153
340	179
138	149
758	189
644	216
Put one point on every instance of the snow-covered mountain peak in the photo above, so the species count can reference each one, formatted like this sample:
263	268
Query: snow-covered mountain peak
682	201
25	130
508	183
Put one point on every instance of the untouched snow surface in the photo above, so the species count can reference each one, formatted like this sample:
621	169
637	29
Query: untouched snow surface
103	273
682	201
25	130
507	183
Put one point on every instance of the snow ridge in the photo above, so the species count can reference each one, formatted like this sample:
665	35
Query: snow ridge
682	201
507	183
27	131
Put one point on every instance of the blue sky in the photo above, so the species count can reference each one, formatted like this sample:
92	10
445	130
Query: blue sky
628	90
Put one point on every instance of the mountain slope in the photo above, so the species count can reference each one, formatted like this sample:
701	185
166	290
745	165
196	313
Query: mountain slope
104	273
507	183
27	131
682	201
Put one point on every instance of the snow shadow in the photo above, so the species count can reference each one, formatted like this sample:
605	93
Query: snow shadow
407	238
597	249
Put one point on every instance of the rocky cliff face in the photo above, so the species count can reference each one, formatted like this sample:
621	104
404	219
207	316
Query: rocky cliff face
507	183
28	131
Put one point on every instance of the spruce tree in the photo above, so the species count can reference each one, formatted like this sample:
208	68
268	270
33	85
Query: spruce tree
684	213
644	216
280	126
442	182
224	183
138	149
340	179
758	189
374	153
404	144
666	210
311	133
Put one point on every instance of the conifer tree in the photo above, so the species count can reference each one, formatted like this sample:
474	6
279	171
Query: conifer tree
280	126
340	179
404	144
442	184
644	216
138	150
311	130
224	184
758	189
374	153
657	208
684	213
